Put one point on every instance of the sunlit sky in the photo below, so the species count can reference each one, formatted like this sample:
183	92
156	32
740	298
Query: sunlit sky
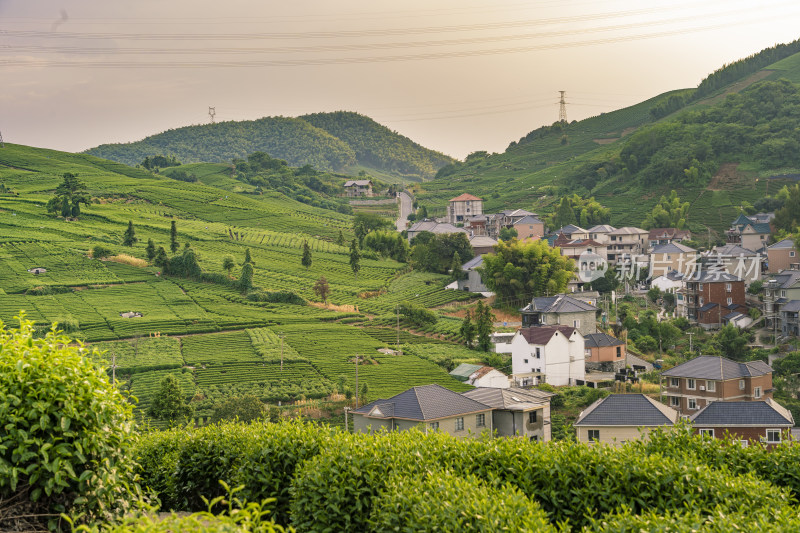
453	75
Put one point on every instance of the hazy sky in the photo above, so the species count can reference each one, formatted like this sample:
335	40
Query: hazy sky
453	75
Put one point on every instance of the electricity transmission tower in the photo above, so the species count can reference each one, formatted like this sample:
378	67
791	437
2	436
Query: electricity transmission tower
211	112
562	109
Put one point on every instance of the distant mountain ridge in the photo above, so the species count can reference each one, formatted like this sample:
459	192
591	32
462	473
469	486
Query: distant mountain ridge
340	142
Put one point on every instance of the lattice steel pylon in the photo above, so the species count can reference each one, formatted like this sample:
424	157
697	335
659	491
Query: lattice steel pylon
562	109
211	112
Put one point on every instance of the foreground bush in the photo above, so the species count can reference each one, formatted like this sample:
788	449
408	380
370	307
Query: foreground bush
65	430
768	520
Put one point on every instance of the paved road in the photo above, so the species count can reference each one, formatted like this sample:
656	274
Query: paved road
406	207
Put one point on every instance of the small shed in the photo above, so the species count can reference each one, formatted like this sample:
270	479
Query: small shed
37	270
131	314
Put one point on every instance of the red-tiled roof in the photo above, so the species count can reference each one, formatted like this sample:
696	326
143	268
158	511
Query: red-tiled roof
465	197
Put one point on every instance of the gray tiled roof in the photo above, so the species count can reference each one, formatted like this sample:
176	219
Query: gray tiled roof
713	276
570	229
558	304
435	227
786	278
628	230
429	402
475	262
731	250
717	368
601	228
733	414
597	340
359	183
627	410
511	398
781	245
708	307
672	248
792	306
528	219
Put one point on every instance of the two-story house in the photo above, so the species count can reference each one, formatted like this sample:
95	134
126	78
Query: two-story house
529	227
692	385
517	412
734	259
355	188
430	408
781	296
561	310
672	256
618	418
604	352
571	232
600	233
462	207
472	280
708	296
749	232
764	421
781	255
627	242
433	227
659	236
549	354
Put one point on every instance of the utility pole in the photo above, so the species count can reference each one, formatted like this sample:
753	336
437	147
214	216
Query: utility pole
114	366
346	425
356	381
212	111
690	342
397	311
562	108
280	336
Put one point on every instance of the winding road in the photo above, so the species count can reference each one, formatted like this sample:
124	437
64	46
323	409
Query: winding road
405	208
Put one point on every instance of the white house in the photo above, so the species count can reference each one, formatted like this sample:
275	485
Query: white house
480	376
549	354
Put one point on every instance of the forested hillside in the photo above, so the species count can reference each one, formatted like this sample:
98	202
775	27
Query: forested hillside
725	144
341	142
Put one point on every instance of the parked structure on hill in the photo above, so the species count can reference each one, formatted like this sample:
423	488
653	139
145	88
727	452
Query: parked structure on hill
618	418
764	421
692	385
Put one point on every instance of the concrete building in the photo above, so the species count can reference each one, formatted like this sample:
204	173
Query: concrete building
669	257
549	354
433	227
692	385
481	376
627	241
707	297
482	244
571	232
781	255
781	297
619	418
561	310
600	233
472	281
355	188
462	207
751	233
517	412
733	259
430	408
604	353
763	421
659	236
670	282
529	227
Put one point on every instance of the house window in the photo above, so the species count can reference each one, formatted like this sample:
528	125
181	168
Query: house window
576	323
534	438
699	286
783	294
675	401
480	420
711	386
690	384
701	300
434	426
741	384
791	253
594	434
538	353
757	392
460	423
773	435
730	301
727	287
706	433
544	319
525	361
532	417
692	403
619	351
674	382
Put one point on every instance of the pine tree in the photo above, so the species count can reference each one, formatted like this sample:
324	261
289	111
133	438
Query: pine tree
246	277
306	260
355	257
169	403
456	271
173	237
129	238
322	289
484	320
565	214
150	250
161	260
340	239
468	329
228	263
247	258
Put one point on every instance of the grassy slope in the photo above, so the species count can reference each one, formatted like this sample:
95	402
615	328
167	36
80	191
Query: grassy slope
216	221
525	175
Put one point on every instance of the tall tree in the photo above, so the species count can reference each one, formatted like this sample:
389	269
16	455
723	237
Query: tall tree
518	271
228	263
669	212
129	238
247	258
69	196
565	214
340	238
169	403
468	329
246	277
355	257
150	250
456	272
306	259
484	322
173	237
322	289
161	260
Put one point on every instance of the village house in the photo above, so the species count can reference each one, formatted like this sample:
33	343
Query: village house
462	207
781	302
546	354
658	236
604	353
764	421
472	281
509	217
576	247
480	376
626	242
355	188
781	256
671	257
429	408
708	296
561	310
751	232
600	233
482	244
529	228
694	384
618	418
571	232
517	412
433	227
670	282
734	259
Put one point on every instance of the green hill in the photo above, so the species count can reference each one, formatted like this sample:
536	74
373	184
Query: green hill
341	142
232	339
714	144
